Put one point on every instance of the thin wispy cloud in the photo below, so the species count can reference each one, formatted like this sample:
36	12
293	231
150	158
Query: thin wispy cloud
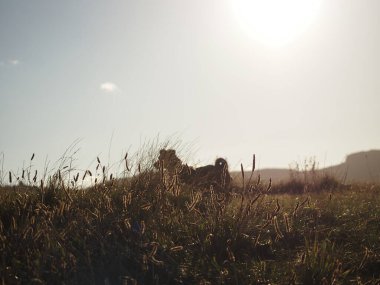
10	62
109	87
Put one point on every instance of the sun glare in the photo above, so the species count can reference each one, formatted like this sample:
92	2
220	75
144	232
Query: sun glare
276	22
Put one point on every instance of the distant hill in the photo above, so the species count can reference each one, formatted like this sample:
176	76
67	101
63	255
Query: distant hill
358	167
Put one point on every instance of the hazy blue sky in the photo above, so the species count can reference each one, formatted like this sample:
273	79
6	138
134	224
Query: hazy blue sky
135	69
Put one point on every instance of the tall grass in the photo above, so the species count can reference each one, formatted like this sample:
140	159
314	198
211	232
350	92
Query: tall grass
307	179
136	228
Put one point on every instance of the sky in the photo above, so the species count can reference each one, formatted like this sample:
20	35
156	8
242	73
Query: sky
113	75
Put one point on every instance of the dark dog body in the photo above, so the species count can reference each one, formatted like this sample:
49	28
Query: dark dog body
216	175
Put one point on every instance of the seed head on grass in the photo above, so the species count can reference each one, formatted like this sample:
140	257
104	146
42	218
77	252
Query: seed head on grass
35	176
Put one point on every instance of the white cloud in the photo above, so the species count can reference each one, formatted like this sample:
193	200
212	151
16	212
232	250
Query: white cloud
14	61
109	87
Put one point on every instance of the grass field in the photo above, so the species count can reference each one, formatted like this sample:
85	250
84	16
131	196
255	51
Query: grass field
141	230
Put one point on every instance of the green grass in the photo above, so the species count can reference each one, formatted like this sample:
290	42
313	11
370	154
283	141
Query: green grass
140	231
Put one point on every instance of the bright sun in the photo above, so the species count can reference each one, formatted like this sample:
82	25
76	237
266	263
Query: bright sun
276	22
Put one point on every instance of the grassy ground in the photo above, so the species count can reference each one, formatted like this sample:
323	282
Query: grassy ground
142	231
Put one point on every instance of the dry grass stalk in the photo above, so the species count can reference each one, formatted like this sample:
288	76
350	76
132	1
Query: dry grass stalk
257	240
242	175
267	223
253	169
176	248
13	224
305	201
269	187
231	256
364	259
287	224
126	162
35	176
195	199
84	175
142	227
295	209
278	207
277	228
76	177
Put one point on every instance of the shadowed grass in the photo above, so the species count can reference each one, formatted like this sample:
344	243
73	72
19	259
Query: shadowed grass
140	230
